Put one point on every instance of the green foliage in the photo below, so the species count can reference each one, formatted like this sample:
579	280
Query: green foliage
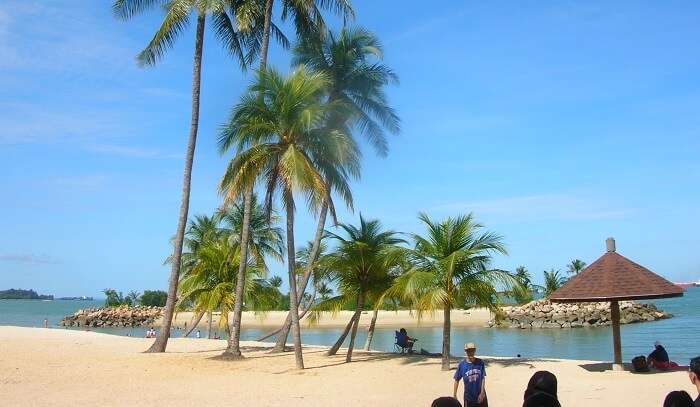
113	298
552	281
524	294
450	267
575	267
363	266
19	294
154	298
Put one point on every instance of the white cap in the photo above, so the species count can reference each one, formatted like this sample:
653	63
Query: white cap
657	343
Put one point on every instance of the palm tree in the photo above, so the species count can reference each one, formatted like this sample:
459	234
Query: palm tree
360	266
276	128
351	60
576	266
307	18
523	295
242	45
552	281
451	268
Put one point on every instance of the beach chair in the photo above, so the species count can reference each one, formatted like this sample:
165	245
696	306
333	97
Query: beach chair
400	345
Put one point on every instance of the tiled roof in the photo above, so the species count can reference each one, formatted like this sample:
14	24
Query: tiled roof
614	277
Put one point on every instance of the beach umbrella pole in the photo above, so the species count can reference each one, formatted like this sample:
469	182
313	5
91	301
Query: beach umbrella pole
617	346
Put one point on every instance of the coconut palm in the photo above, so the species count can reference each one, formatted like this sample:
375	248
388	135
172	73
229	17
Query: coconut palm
451	267
133	298
360	267
524	294
351	60
208	285
242	45
307	19
576	266
552	281
277	131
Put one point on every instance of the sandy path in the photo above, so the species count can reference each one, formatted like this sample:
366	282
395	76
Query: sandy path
71	368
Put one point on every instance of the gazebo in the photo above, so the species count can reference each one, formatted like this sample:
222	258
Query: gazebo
615	278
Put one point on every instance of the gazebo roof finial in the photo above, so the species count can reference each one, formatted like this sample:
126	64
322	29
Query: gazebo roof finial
610	244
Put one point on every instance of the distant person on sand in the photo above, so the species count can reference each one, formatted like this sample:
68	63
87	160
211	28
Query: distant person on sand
658	359
473	372
46	323
405	341
541	390
198	334
446	402
678	399
694	375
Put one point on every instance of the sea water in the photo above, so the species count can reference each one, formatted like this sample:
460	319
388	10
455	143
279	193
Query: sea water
680	334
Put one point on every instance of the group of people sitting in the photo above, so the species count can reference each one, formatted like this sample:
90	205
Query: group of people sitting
151	333
541	390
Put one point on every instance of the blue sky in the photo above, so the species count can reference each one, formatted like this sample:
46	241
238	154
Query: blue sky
557	123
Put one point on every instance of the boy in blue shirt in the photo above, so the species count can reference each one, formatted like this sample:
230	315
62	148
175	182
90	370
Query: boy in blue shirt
473	372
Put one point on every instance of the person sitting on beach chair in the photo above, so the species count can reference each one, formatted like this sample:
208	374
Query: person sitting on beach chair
403	341
659	358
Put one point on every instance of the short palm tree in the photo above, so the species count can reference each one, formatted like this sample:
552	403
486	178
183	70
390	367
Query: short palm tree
277	131
360	266
552	281
242	45
352	62
451	267
524	295
576	266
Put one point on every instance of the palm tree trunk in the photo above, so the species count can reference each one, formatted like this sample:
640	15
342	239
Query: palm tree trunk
266	35
233	347
370	331
302	314
358	313
209	316
195	322
291	260
334	349
313	255
446	338
161	341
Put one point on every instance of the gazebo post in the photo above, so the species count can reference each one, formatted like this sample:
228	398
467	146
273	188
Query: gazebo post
617	345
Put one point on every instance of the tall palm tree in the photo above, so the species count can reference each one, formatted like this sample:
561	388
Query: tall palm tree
242	45
277	130
352	61
552	281
576	266
451	267
360	266
307	19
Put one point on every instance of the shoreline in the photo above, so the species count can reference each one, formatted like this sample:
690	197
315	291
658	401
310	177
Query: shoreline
476	317
65	367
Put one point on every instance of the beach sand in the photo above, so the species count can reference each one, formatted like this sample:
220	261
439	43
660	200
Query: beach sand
460	318
53	367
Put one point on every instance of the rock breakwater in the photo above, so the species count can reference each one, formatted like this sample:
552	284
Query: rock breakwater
545	314
122	316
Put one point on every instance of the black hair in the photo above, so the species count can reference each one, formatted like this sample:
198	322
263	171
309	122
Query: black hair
541	399
446	402
695	366
541	382
402	330
678	399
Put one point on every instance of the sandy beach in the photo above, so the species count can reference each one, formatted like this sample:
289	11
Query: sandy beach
52	367
478	317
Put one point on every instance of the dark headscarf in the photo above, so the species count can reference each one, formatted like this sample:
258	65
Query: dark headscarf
678	399
541	382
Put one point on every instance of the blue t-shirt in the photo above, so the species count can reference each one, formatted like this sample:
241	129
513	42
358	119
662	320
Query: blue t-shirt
473	375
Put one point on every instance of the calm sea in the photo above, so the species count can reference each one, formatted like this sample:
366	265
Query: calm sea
680	334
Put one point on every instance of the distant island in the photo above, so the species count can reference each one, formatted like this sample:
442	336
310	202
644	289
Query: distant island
13	294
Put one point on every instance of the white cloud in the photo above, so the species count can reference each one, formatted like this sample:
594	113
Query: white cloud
556	206
29	258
